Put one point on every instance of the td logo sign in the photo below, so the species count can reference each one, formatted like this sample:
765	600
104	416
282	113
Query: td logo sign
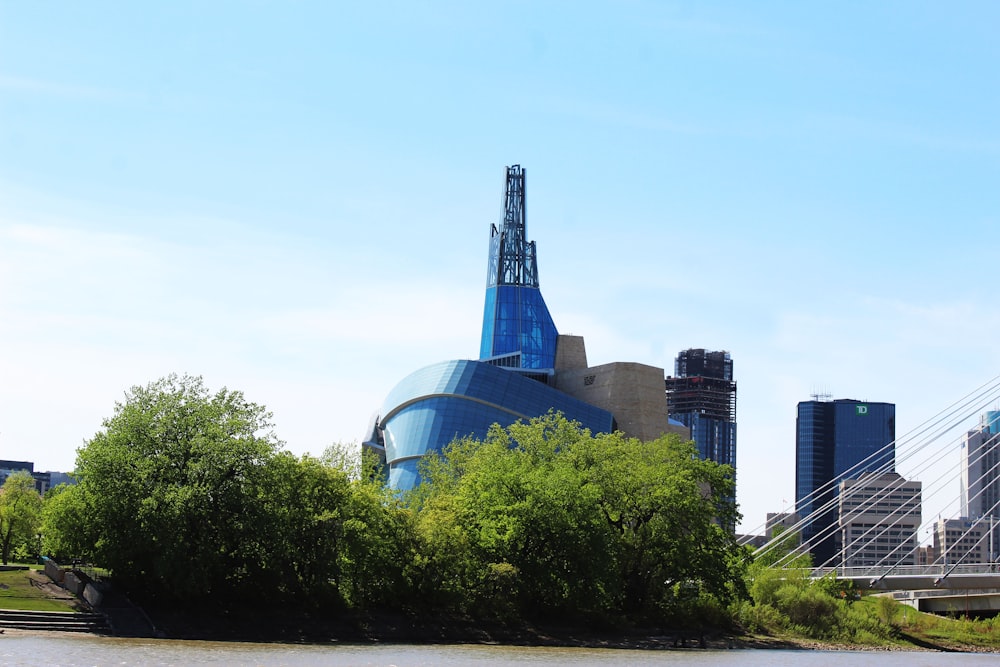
861	409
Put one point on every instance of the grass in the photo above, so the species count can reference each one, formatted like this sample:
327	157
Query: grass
875	621
25	590
951	632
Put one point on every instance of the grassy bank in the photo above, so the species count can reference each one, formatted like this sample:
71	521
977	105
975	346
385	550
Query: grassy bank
882	623
902	629
31	590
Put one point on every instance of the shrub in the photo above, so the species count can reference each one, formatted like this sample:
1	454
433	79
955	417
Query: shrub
760	618
886	609
810	609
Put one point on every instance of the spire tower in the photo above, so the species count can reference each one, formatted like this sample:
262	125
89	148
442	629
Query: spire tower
518	331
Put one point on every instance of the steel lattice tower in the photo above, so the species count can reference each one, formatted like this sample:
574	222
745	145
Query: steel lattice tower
512	256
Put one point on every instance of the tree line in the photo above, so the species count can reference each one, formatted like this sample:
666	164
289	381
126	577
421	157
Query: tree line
186	495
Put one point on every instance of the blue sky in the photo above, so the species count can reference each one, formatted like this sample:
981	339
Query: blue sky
293	199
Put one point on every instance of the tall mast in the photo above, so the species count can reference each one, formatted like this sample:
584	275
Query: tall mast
512	256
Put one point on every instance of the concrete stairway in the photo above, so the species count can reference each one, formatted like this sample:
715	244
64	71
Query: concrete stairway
64	621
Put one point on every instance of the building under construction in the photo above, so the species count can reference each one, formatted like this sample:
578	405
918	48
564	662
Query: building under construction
702	396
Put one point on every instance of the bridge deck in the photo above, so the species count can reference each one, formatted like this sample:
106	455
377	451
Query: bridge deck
918	577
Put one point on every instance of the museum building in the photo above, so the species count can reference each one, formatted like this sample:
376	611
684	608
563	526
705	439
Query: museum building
526	369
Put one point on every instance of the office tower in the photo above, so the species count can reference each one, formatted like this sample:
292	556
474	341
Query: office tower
835	440
980	479
702	396
879	515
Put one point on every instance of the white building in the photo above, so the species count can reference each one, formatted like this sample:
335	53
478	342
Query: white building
878	519
966	541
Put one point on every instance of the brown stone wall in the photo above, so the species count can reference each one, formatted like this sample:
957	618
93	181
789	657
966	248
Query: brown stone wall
571	353
634	393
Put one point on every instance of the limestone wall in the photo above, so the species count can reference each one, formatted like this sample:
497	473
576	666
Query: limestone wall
634	393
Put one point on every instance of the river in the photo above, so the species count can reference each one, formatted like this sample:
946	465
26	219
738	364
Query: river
91	651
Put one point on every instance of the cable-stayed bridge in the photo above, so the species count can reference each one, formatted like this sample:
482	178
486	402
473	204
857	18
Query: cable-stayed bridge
917	577
873	515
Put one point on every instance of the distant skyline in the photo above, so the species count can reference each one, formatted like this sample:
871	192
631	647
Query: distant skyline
288	198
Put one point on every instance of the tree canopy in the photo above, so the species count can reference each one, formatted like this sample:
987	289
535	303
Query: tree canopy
20	512
545	516
186	494
172	485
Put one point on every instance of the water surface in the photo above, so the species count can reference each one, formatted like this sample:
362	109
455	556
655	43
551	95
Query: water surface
48	650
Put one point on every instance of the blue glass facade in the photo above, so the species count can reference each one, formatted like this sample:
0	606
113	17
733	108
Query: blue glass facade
714	438
835	440
434	405
516	319
861	431
516	322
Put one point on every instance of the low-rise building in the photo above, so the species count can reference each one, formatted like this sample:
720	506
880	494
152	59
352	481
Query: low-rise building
965	540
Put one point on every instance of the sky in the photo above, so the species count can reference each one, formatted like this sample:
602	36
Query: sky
293	199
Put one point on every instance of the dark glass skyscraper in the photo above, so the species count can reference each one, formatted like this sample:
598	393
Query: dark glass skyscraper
835	440
702	396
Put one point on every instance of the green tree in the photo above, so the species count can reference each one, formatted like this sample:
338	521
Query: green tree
20	512
377	548
667	509
332	531
66	531
174	487
299	529
504	528
444	568
544	517
785	550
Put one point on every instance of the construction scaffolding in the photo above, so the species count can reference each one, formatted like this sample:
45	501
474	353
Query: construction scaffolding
709	397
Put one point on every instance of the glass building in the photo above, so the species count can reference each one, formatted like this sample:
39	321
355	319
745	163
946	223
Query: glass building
834	441
514	377
702	396
439	403
518	331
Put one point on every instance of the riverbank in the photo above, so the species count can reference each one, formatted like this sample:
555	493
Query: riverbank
248	626
270	624
286	626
